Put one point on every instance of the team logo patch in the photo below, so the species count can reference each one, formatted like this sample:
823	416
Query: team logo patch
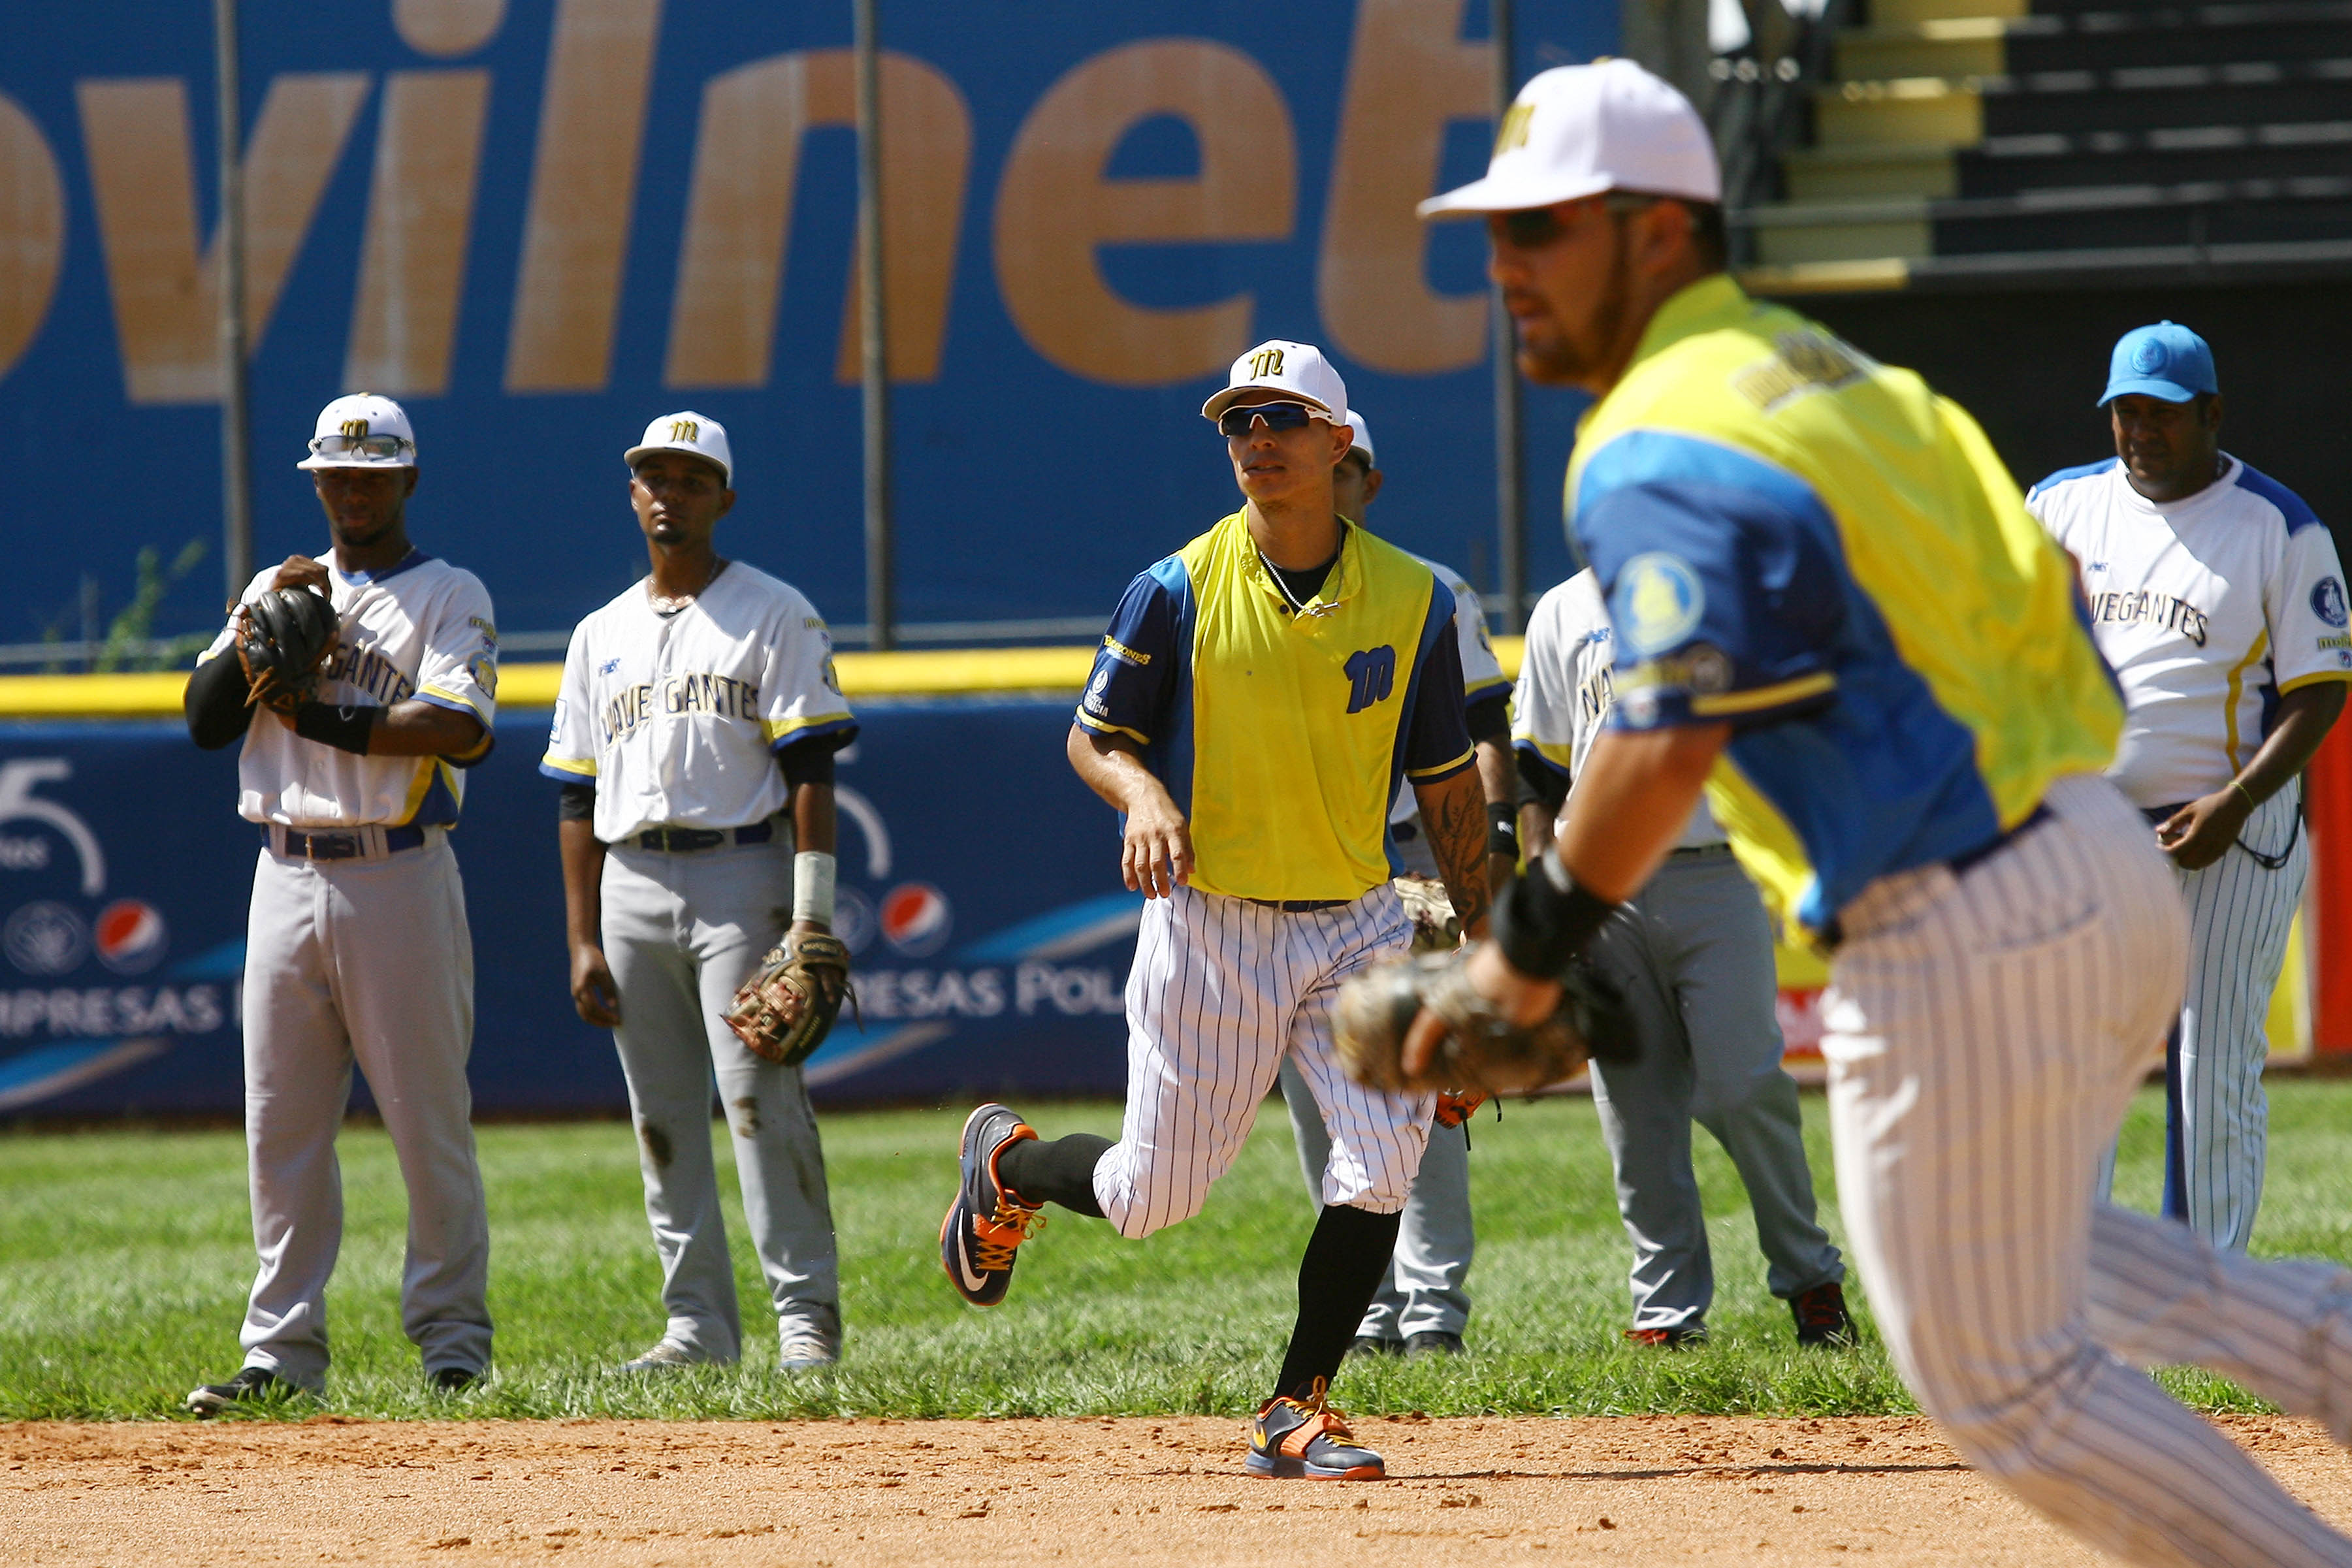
2147	356
131	936
45	939
917	918
2328	602
1658	602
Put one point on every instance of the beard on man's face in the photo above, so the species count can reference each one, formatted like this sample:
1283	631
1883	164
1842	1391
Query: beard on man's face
1571	353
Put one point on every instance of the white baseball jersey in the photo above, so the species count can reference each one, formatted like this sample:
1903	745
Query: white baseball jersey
422	630
2207	609
1566	688
1482	672
676	719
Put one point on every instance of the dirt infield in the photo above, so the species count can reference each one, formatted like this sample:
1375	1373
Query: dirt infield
1645	1490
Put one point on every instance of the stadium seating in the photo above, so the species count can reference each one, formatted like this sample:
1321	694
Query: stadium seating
1959	140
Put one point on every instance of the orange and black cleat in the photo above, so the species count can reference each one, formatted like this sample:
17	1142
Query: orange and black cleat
985	1222
1296	1439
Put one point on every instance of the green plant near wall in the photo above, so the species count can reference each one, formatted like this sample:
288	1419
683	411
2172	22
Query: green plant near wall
131	643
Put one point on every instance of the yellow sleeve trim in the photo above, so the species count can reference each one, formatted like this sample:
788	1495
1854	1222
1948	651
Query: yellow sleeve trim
2312	680
1481	688
1559	754
569	765
777	728
1100	727
1726	704
1459	762
470	705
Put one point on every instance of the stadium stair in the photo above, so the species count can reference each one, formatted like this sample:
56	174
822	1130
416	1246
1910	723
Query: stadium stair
1973	143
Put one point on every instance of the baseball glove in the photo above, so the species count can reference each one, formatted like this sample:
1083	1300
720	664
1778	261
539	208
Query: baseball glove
284	639
1482	1049
783	1012
1435	929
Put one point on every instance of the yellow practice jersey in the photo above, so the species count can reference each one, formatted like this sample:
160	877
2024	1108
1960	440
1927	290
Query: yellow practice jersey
1282	734
1820	551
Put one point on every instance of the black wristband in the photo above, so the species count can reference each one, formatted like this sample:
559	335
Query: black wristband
1544	919
345	728
1502	829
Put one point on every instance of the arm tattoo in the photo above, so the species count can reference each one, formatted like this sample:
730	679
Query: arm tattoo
1454	814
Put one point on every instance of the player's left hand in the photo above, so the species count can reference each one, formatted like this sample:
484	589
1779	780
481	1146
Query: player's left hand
1522	999
2203	832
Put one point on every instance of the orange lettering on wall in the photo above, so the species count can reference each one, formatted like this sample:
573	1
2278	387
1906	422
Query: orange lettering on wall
584	186
1409	75
32	230
420	210
143	181
730	268
1055	209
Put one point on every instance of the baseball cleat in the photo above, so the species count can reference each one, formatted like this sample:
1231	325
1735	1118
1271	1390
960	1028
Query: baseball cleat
1374	1344
1433	1342
250	1384
454	1379
1822	1318
986	1222
665	1356
1292	1440
1668	1338
806	1353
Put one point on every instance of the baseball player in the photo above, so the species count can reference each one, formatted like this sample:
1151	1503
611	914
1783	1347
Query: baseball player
356	945
1256	699
1833	613
1692	953
1421	1308
694	737
2217	597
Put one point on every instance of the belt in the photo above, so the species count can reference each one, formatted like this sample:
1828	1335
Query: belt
1299	905
339	843
2160	815
681	841
1691	851
1830	935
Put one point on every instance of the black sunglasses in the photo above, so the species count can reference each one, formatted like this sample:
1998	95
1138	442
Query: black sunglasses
1278	416
1532	228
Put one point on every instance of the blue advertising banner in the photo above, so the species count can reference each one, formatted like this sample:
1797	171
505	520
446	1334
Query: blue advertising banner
541	222
978	887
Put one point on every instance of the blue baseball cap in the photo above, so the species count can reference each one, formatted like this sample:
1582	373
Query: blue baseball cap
2166	361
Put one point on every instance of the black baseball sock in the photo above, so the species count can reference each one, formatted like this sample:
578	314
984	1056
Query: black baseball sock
1345	1258
1062	1171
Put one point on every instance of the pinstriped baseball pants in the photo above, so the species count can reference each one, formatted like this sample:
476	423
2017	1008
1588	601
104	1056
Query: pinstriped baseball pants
1221	991
2240	912
1984	1034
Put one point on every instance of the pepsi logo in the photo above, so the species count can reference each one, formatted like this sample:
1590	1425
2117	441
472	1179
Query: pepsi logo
916	918
131	936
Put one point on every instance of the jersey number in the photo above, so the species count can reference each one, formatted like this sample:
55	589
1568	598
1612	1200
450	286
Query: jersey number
1371	677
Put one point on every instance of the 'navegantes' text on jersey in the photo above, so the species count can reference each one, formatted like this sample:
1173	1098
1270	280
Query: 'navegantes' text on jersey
676	719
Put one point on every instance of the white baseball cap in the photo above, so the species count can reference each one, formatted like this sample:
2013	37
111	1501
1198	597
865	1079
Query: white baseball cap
362	430
688	432
1363	442
1577	131
1296	371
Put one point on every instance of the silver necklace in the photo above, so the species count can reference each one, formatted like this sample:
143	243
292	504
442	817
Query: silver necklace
668	604
1284	588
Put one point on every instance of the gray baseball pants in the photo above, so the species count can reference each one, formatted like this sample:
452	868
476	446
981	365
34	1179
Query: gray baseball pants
366	960
681	932
1693	952
1422	1292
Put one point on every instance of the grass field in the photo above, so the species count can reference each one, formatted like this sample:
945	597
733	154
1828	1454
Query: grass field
124	1258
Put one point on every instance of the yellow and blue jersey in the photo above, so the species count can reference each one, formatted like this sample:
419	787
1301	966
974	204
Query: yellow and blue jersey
1282	735
1820	551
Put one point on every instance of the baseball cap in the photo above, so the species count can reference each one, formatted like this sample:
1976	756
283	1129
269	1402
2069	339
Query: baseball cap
1294	370
1577	131
688	432
354	418
1363	442
2166	361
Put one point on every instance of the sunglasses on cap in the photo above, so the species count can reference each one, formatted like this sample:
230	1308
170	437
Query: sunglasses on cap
1276	415
1533	228
375	446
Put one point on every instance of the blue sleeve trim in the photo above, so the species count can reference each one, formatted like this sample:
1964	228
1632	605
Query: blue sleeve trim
2297	514
1434	729
1528	748
452	704
1135	669
562	777
2063	475
845	727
